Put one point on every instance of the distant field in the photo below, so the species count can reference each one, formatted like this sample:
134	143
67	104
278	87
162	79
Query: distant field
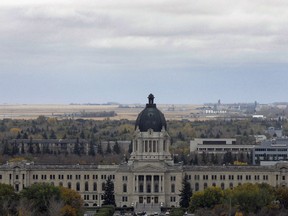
64	111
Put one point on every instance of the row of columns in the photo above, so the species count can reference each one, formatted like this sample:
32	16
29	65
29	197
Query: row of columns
148	183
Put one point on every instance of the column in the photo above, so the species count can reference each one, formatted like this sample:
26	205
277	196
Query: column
144	185
152	183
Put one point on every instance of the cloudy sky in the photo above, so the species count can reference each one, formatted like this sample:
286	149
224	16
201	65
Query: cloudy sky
183	51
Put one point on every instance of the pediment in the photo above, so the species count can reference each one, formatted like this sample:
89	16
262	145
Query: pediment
149	168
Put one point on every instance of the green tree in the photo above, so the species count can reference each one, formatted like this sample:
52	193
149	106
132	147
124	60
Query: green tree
206	199
252	197
116	148
185	193
108	196
8	200
100	150
108	150
40	195
77	148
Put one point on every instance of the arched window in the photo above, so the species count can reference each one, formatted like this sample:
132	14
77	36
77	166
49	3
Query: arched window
103	186
94	186
205	185
69	185
222	186
77	186
231	185
86	186
197	186
173	188
214	184
124	188
61	184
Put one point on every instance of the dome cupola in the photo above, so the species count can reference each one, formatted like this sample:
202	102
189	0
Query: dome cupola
151	117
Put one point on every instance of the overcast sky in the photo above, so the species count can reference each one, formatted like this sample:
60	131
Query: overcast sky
182	51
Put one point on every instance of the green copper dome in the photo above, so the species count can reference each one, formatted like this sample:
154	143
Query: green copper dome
151	117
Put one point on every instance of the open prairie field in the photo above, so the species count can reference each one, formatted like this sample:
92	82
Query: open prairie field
130	112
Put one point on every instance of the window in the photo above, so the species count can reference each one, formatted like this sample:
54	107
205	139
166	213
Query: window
86	177
214	177
52	176
205	185
239	177
124	188
197	186
231	177
222	177
95	176
248	177
95	197
173	199
86	186
124	178
231	185
78	177
77	186
0	176
69	177
173	178
61	177
17	176
196	177
205	177
86	197
94	186
69	185
173	188
103	186
222	186
124	199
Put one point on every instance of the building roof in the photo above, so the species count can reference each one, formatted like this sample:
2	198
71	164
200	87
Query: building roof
151	117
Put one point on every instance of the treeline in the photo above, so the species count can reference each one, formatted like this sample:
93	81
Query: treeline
95	133
40	199
247	199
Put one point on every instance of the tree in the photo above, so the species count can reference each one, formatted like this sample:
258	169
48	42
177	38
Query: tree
40	196
91	145
206	199
100	150
185	193
72	202
116	148
52	135
77	149
108	196
8	200
108	150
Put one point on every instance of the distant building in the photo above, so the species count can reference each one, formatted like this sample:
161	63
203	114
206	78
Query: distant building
271	150
218	146
275	132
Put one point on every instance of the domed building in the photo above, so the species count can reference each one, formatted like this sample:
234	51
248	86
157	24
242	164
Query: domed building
150	179
151	140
